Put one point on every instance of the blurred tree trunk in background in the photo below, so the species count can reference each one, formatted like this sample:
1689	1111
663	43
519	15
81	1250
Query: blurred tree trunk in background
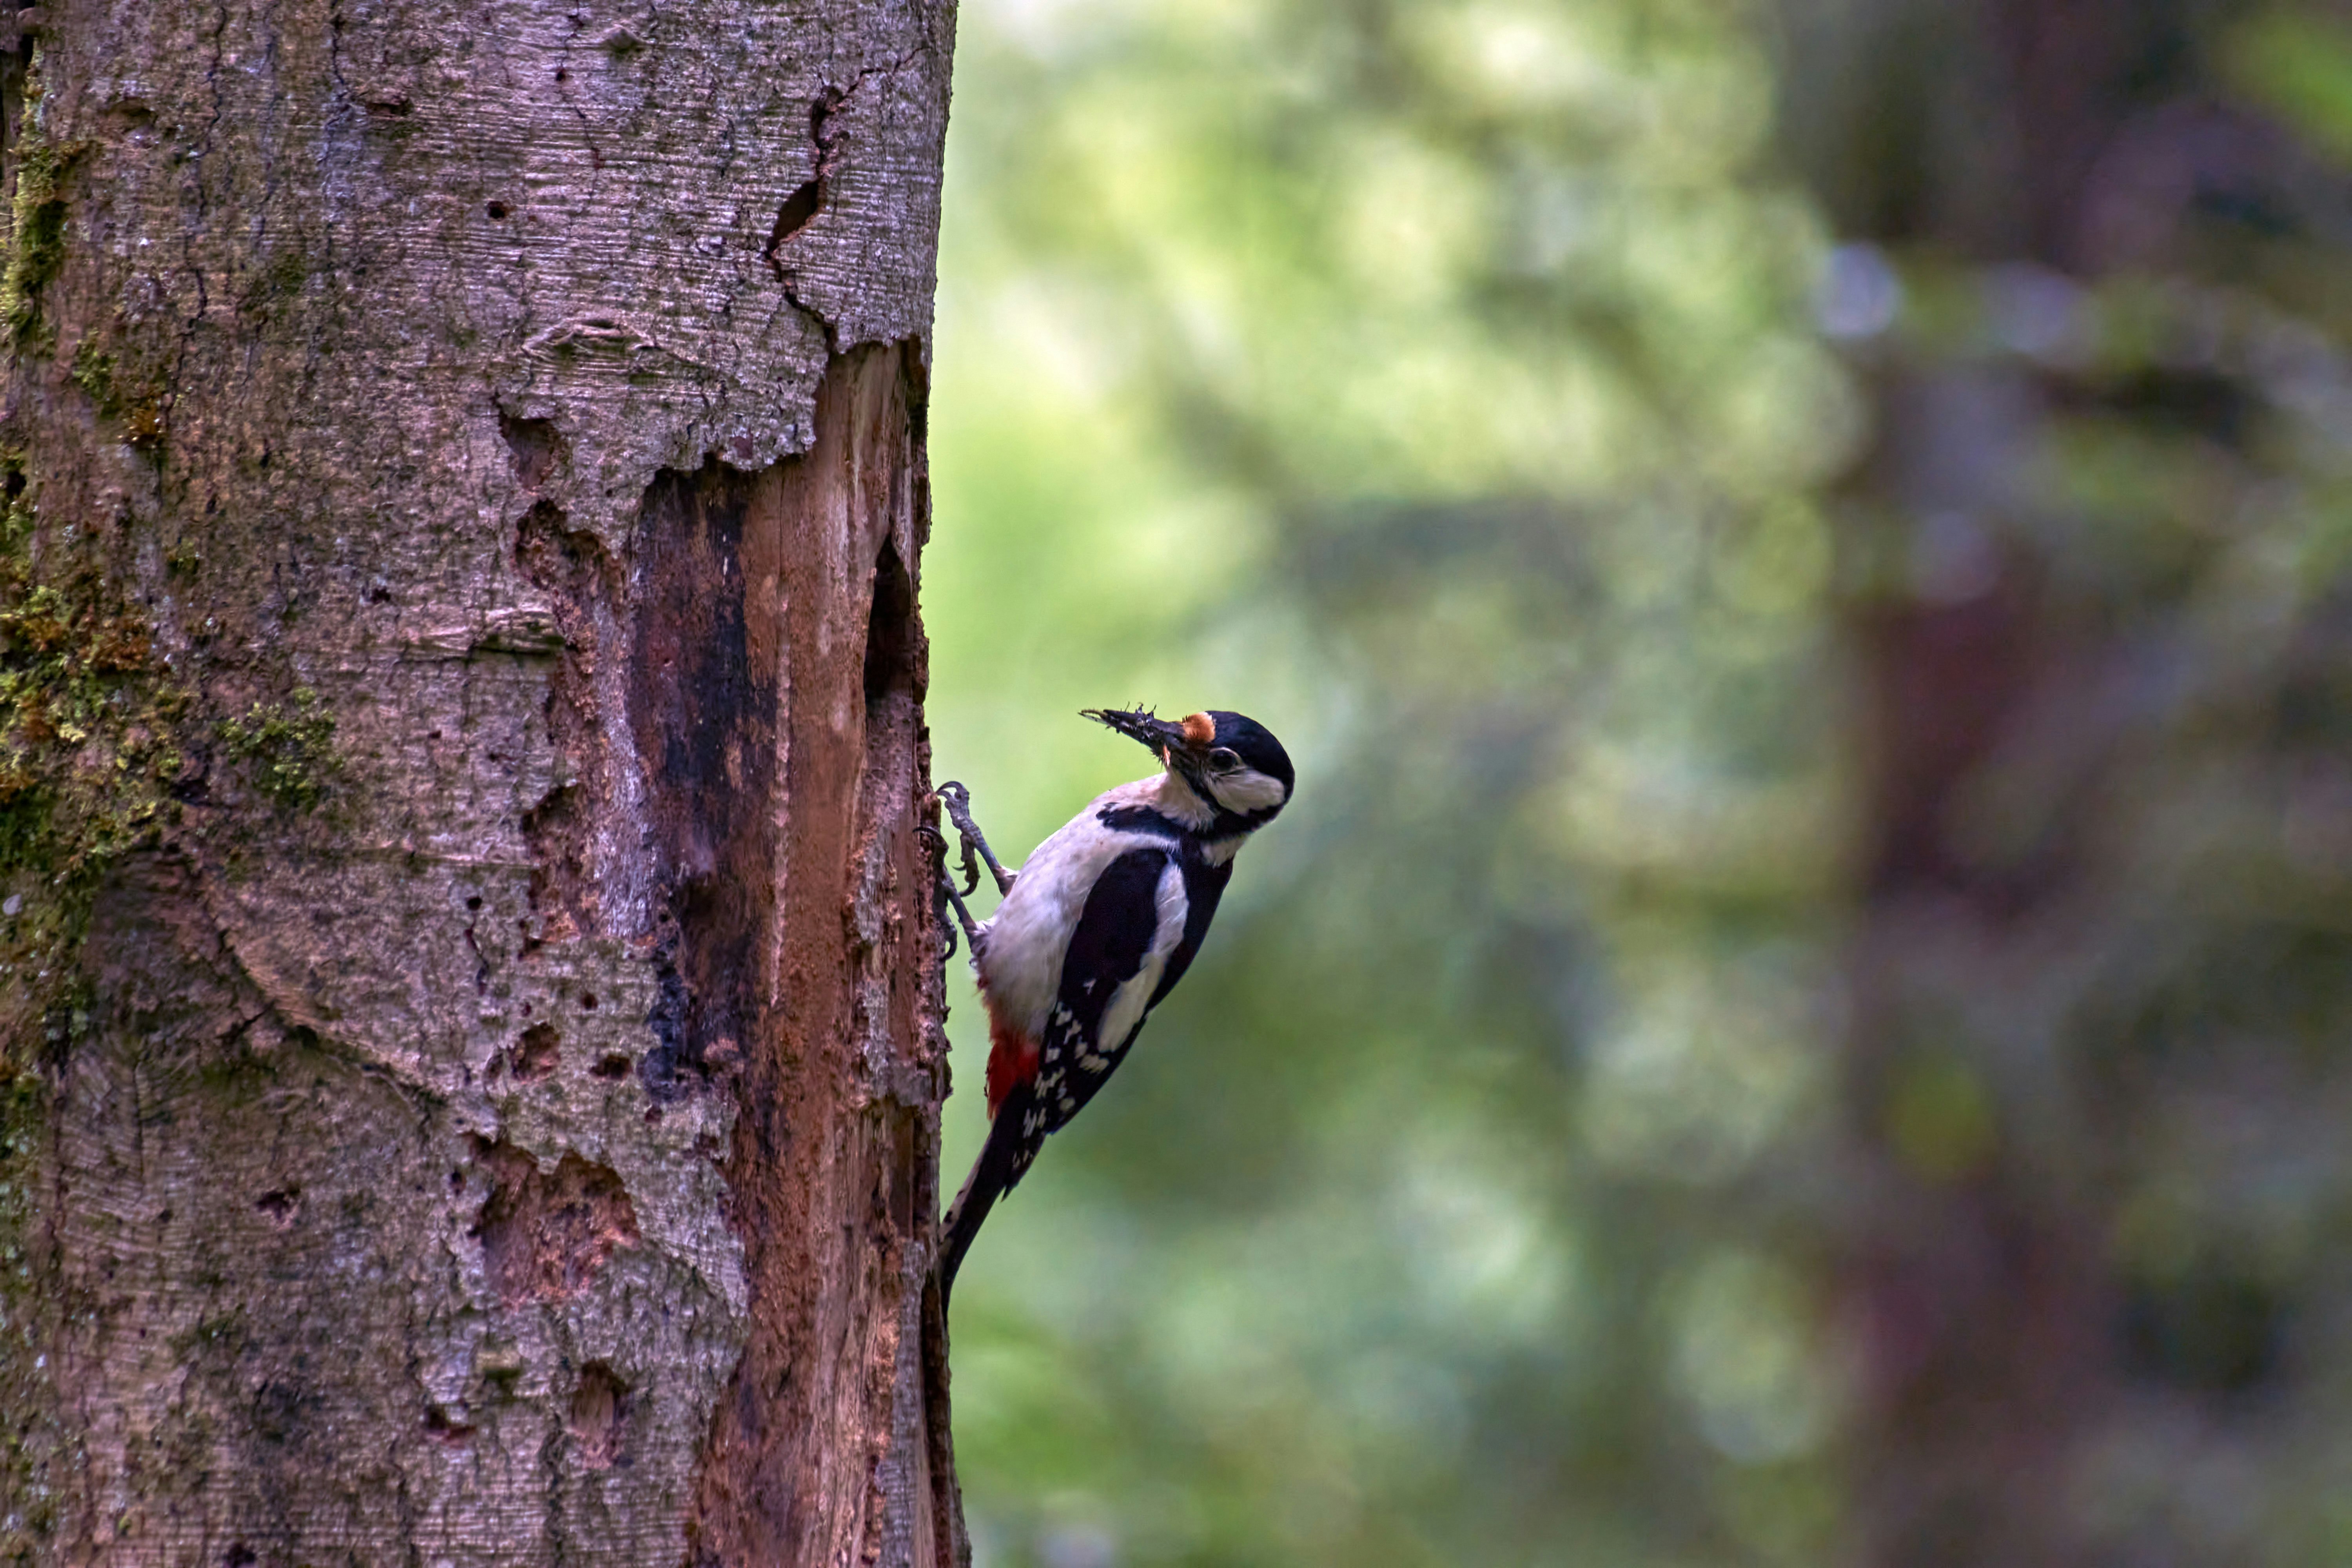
472	1052
2094	294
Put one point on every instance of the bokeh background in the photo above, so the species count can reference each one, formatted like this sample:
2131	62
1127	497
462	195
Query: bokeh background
1802	1012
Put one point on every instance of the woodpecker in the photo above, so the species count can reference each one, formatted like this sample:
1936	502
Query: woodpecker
1097	926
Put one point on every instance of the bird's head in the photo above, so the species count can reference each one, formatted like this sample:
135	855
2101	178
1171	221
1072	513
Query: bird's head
1232	762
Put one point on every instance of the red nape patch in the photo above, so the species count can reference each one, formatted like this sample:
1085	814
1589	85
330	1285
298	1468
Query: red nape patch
1011	1062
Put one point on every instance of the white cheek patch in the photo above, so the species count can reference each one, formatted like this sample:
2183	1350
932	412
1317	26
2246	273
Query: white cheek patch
1246	791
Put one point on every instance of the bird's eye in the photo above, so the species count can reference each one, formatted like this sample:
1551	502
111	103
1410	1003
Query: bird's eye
1224	761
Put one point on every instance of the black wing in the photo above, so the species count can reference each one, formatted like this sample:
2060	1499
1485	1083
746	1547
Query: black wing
1115	930
1114	933
1203	885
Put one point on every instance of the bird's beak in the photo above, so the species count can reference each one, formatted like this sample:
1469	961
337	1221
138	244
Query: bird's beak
1140	725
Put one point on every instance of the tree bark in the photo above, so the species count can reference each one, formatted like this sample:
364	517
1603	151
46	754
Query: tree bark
471	999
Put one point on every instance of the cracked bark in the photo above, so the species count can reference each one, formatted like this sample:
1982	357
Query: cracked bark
472	1018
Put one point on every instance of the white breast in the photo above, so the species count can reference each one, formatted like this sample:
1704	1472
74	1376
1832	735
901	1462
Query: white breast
1019	959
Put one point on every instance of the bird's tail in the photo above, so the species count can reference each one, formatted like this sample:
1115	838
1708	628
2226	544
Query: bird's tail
992	1176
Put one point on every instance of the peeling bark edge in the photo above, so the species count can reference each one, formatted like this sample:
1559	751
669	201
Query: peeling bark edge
778	628
351	341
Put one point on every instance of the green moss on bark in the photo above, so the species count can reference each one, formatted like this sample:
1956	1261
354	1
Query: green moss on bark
289	748
135	402
91	721
95	734
37	235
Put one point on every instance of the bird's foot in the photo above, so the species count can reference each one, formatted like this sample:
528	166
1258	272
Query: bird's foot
946	894
957	800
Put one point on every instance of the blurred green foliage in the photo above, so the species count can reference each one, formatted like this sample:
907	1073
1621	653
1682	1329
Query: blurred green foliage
1800	1012
1436	384
2095	589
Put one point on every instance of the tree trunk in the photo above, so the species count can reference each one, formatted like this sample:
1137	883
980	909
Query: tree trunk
471	999
2089	960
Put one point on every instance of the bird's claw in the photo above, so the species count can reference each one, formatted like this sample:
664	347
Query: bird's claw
944	888
956	800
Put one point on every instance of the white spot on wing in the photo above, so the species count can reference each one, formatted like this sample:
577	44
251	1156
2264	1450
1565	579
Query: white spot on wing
1020	960
1126	1003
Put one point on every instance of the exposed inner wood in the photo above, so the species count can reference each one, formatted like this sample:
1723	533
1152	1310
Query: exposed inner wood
470	1018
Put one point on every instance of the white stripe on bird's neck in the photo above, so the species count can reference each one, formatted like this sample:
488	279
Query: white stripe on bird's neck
1173	798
